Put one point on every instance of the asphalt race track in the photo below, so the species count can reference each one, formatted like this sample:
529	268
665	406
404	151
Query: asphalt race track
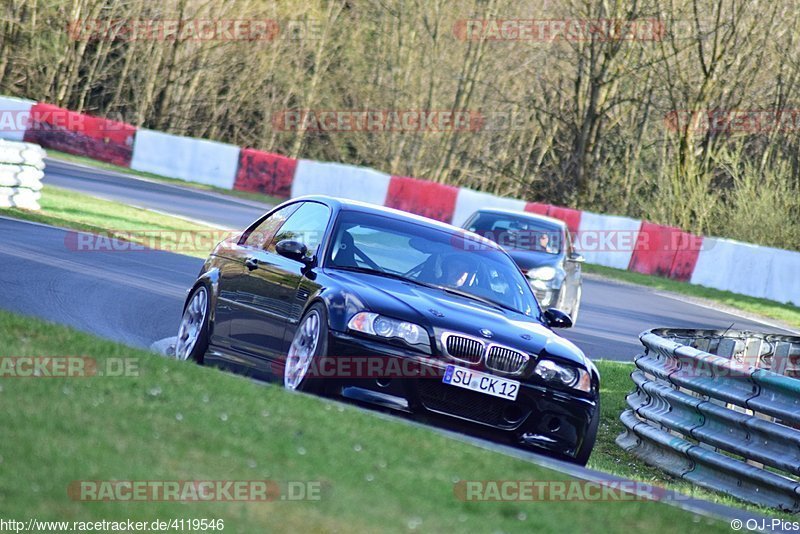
135	296
221	210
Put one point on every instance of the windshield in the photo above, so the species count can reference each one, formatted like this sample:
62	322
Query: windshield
424	255
518	233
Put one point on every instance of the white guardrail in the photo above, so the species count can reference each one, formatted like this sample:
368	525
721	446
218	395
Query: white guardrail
21	173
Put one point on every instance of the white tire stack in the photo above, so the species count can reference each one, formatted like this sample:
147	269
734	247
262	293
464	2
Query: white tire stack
21	173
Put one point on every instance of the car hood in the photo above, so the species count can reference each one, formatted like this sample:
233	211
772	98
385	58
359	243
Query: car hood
445	312
528	259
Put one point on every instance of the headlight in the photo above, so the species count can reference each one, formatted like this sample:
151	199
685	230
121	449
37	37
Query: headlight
550	371
378	325
542	273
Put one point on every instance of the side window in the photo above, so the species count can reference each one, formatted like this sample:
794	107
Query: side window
305	225
262	234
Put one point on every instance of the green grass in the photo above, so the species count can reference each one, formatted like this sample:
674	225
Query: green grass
77	211
83	160
178	421
785	313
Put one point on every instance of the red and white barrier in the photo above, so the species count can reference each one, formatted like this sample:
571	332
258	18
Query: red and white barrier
783	276
84	135
337	180
613	241
747	269
14	116
569	215
607	239
263	172
665	251
429	199
185	158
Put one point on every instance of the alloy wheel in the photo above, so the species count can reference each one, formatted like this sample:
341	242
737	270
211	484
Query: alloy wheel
301	352
194	317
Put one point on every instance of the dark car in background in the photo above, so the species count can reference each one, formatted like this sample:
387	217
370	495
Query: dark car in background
319	285
542	247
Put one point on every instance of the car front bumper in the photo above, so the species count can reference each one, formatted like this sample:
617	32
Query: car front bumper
541	418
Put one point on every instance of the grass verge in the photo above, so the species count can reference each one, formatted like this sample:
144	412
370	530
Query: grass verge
77	211
83	160
785	313
178	421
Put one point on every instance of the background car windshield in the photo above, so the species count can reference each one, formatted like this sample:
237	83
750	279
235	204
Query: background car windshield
429	256
518	233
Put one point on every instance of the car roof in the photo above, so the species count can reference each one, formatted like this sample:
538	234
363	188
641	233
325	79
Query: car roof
524	215
344	204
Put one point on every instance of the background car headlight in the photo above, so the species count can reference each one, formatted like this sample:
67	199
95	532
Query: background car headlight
550	371
378	325
542	273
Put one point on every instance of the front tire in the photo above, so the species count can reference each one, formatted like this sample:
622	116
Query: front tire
309	347
193	332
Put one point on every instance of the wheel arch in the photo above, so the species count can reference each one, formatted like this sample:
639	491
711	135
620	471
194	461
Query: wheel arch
340	304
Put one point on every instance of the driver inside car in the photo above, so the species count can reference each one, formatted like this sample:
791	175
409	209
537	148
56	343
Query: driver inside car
544	243
458	271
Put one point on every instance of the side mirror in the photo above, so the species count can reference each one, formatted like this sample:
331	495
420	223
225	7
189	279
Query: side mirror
294	250
577	258
557	319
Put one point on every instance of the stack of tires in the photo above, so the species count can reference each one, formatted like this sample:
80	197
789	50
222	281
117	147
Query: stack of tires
21	173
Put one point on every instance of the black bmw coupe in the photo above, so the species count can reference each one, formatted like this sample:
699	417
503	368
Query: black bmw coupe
349	299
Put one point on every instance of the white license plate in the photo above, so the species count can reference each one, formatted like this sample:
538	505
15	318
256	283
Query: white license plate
481	382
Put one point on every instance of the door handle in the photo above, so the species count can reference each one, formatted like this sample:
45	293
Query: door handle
251	263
